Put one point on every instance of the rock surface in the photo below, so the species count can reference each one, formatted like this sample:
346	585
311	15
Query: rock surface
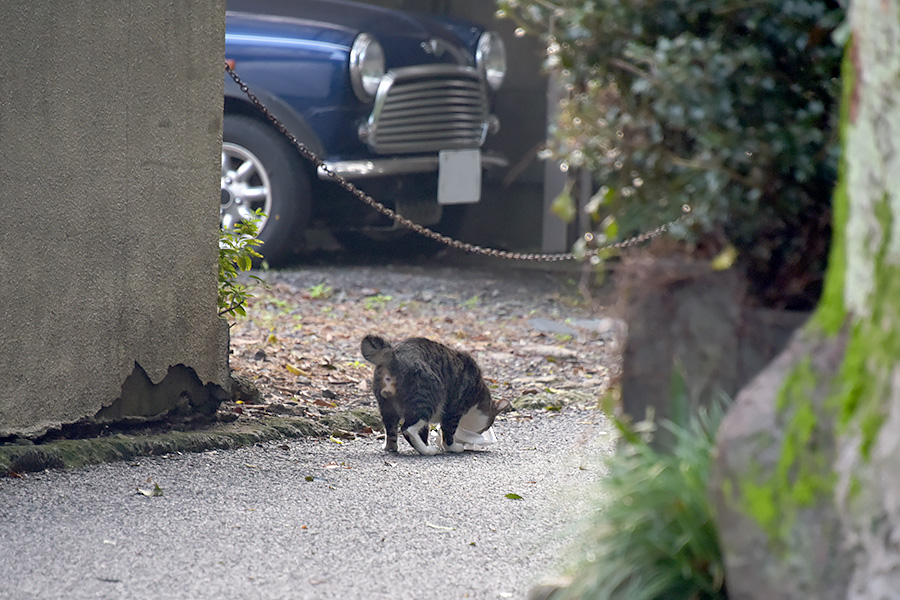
776	544
690	324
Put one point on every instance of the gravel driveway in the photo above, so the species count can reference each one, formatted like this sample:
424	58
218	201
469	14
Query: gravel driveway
307	519
339	518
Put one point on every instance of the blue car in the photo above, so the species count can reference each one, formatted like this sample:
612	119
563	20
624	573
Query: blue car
400	104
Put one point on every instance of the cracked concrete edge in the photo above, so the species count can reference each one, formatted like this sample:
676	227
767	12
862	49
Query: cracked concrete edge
68	454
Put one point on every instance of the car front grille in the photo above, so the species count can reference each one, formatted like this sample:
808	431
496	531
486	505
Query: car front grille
427	109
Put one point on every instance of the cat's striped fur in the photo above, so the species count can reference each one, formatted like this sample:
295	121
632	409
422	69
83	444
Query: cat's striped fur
419	381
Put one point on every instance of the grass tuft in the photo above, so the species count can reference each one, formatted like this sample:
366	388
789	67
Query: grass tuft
652	535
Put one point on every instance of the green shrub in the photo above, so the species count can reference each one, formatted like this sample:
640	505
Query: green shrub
726	105
652	536
236	255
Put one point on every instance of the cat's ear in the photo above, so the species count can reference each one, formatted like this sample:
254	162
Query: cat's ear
375	349
503	406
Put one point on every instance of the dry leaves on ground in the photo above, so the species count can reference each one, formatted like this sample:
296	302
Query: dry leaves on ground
536	344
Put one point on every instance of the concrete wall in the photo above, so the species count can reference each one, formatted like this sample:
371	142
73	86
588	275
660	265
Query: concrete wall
110	138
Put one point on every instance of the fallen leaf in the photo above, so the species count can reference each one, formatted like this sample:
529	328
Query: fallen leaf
512	496
335	440
150	492
295	371
725	259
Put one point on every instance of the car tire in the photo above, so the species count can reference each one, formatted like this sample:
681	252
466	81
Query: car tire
261	169
404	243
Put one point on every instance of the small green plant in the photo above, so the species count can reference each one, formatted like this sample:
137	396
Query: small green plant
376	302
653	535
472	302
320	291
281	304
237	249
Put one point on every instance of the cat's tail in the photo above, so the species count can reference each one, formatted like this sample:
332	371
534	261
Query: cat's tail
376	350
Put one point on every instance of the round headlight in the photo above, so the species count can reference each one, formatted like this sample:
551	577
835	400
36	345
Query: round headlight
490	56
366	66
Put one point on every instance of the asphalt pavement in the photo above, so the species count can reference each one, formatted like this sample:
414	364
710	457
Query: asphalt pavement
309	518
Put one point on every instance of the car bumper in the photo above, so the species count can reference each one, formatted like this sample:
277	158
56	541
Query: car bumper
388	167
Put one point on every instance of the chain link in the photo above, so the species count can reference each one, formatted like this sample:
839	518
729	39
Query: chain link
429	233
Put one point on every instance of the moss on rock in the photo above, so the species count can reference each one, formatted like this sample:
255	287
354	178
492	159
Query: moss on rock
63	454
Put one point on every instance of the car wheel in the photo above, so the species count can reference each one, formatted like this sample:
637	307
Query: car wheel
260	170
403	242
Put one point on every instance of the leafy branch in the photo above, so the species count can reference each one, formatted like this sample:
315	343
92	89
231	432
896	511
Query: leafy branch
237	249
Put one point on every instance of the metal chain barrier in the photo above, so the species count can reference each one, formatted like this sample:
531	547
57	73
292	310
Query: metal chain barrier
422	230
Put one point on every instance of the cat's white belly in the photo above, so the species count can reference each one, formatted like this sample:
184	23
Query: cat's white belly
474	430
475	420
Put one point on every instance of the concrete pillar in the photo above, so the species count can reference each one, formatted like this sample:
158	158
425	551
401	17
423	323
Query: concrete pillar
110	123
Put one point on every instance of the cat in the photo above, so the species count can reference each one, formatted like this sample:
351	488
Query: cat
422	381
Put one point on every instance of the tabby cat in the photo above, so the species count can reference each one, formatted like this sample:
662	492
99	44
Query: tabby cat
420	381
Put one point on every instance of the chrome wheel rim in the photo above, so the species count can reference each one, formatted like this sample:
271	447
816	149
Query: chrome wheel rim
245	187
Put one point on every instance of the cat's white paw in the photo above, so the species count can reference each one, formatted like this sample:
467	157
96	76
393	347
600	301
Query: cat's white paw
428	450
454	447
412	436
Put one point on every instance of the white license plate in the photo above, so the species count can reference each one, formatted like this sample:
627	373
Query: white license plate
459	176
